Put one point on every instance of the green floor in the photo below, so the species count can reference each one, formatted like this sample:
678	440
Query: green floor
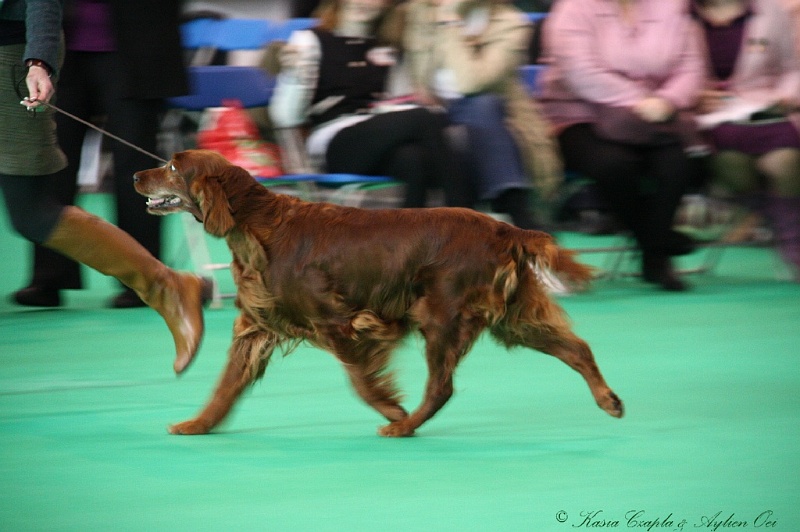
710	440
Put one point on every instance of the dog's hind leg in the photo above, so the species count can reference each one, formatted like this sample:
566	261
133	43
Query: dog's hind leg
534	320
571	350
576	354
444	349
247	359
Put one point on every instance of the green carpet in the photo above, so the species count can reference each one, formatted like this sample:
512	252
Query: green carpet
710	440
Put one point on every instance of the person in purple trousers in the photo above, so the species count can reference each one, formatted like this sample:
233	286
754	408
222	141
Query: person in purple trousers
750	110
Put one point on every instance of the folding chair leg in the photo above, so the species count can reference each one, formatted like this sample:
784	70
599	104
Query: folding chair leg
201	258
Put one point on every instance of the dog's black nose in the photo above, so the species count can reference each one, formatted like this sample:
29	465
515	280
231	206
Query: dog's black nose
136	178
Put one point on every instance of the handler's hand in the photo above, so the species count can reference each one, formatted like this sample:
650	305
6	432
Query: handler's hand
40	87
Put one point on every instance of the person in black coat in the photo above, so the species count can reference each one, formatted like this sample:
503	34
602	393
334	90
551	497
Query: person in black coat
122	60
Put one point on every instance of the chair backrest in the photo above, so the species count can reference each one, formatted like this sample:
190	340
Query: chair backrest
199	33
243	34
536	17
531	76
282	30
228	34
212	85
537	20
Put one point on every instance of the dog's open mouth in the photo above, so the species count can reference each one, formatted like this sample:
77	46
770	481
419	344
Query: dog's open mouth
164	202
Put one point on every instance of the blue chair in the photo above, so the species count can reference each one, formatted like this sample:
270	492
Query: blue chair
212	85
531	76
199	33
535	45
536	17
207	36
199	37
282	30
243	34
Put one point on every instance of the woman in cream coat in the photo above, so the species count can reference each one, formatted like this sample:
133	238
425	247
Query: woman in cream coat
464	55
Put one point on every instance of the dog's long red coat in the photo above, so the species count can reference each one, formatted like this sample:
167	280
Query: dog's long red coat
355	282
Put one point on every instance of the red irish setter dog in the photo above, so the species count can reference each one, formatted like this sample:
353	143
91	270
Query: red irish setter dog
355	282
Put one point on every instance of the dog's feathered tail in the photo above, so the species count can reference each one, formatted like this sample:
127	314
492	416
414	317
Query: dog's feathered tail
546	257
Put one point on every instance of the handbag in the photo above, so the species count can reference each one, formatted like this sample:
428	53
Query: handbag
231	132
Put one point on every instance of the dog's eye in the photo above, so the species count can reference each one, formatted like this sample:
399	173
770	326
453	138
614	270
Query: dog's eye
172	167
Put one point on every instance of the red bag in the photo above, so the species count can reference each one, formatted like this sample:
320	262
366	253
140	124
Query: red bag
232	133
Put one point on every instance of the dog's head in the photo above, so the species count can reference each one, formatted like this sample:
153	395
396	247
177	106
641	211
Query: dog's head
193	181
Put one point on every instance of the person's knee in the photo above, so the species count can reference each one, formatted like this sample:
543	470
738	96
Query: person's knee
734	171
30	226
481	110
487	104
407	163
32	216
782	171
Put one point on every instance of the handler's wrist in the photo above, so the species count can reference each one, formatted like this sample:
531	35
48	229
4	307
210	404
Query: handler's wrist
39	63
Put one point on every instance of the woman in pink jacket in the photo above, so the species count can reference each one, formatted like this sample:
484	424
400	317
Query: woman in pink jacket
751	109
618	67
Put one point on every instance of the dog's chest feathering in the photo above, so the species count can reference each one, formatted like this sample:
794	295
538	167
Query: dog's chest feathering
304	302
289	308
250	269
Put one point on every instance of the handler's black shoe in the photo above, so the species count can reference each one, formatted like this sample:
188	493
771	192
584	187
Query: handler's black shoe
38	296
678	243
657	269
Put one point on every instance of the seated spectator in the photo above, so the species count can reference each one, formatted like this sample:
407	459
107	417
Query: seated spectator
793	6
333	78
464	56
620	74
750	109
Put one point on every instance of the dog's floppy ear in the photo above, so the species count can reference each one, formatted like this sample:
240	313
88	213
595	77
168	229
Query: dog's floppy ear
213	204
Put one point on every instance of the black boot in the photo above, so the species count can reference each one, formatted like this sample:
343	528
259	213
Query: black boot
678	243
657	269
52	272
35	295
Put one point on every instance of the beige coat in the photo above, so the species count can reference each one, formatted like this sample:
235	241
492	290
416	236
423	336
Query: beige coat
488	63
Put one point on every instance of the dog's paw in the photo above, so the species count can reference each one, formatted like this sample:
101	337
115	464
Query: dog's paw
397	429
188	428
612	405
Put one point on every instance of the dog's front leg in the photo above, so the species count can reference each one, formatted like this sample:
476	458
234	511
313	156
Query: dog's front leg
247	359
